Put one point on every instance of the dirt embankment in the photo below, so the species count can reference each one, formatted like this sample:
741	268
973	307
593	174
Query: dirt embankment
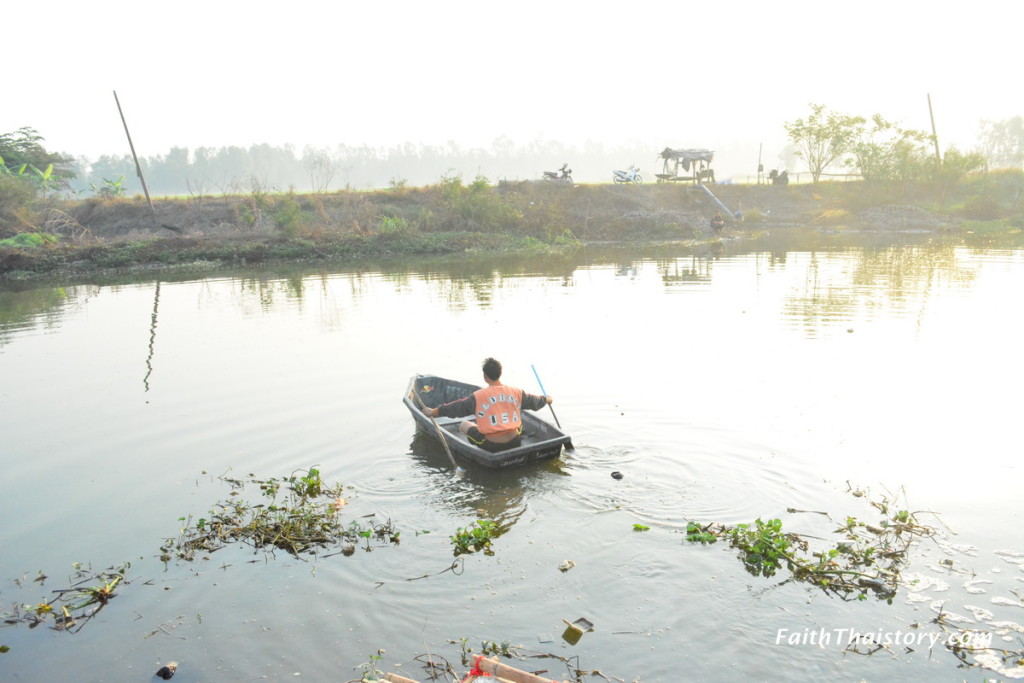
534	208
118	232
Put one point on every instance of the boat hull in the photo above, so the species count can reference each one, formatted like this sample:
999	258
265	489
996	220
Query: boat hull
541	440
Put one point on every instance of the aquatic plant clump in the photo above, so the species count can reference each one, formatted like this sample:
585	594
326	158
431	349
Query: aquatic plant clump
72	608
476	536
300	515
867	558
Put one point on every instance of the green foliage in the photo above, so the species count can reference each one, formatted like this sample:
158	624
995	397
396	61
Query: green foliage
477	536
392	225
72	608
867	558
981	209
763	545
371	672
988	227
309	485
28	239
16	198
955	166
488	648
475	207
287	214
754	215
641	527
566	239
5	170
302	520
695	533
887	152
110	188
823	137
22	153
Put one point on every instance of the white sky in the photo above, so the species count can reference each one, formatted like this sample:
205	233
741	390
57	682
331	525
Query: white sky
677	73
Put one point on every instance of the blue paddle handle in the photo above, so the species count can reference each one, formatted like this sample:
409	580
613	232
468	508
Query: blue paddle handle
538	380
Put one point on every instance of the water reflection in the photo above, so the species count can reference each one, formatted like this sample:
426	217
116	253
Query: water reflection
837	287
274	369
683	271
837	281
498	495
152	335
31	309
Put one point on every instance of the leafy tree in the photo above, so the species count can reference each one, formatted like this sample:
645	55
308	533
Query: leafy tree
23	154
956	165
887	152
1003	141
824	137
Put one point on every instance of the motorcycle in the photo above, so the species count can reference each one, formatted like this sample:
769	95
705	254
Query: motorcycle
630	176
562	175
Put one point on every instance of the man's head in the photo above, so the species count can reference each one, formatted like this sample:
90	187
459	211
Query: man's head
492	369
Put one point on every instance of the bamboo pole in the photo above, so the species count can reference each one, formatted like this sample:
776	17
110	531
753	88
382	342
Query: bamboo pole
395	678
503	671
935	136
138	168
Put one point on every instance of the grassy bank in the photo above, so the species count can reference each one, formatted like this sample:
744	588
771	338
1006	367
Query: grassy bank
455	217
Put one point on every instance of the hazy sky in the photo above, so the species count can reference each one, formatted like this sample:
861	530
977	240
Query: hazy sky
718	74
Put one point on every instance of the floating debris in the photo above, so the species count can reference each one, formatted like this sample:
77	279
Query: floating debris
868	558
167	671
300	515
72	608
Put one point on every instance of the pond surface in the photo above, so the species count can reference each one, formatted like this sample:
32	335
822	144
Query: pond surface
724	386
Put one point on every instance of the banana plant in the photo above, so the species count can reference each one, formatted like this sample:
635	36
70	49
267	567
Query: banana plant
15	170
111	188
46	180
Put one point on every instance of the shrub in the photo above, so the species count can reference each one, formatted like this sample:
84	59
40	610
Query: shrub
16	197
753	216
287	214
392	225
28	239
477	206
982	207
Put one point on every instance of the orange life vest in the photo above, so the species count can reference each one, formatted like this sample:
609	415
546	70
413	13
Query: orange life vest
497	409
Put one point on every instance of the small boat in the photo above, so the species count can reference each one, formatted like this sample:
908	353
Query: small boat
541	440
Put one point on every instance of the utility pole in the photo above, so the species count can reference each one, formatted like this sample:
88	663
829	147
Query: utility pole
138	168
935	136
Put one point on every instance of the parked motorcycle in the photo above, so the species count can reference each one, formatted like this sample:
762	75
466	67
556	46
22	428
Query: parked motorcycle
630	176
562	175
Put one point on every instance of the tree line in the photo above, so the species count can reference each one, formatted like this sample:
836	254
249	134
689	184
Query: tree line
263	167
874	148
879	150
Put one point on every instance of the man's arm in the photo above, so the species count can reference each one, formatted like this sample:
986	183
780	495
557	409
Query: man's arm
531	402
461	408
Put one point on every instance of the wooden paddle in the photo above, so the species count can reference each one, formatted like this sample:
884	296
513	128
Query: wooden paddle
440	433
568	446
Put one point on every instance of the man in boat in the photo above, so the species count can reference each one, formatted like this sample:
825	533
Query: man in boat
498	426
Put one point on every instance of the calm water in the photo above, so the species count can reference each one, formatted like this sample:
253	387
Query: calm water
724	386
